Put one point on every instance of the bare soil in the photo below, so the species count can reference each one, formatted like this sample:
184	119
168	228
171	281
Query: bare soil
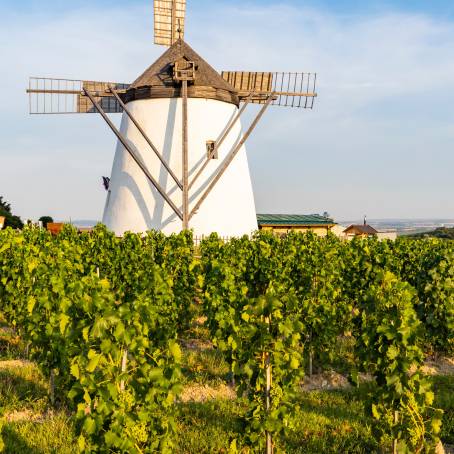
203	393
441	365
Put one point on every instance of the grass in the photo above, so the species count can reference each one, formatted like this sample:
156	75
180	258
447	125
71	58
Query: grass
208	427
325	421
53	434
29	426
331	422
444	398
11	346
205	366
22	387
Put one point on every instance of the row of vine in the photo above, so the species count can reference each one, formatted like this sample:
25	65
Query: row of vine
103	315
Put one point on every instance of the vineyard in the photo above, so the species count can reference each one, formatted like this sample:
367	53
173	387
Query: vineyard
111	323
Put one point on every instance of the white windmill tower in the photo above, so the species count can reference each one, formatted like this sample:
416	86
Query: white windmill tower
181	160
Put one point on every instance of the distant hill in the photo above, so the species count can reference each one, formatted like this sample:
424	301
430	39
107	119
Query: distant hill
406	226
446	233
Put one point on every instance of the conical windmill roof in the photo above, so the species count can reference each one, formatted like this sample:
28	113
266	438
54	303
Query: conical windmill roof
157	81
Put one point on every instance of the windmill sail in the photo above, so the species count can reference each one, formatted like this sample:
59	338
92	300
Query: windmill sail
289	89
169	18
63	96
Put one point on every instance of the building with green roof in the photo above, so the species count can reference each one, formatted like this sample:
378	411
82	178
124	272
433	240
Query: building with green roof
284	223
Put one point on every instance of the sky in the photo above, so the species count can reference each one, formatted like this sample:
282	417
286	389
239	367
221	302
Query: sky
379	140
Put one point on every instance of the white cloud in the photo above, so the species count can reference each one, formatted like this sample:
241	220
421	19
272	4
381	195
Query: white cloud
379	140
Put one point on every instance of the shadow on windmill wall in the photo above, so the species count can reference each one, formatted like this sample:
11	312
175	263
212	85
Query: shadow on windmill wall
154	216
163	174
131	186
195	195
197	165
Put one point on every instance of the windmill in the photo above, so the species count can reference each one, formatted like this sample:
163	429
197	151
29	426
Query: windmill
181	160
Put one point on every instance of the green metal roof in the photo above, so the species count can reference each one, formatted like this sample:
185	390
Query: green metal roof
293	219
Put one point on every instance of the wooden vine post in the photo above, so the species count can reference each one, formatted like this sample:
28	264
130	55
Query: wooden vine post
52	387
269	441
124	360
310	362
396	419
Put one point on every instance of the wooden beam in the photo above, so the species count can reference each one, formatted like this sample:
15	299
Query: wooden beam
72	92
231	156
145	136
132	153
185	157
62	92
173	25
265	94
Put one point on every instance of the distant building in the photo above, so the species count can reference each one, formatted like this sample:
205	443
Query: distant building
54	227
285	223
362	230
365	230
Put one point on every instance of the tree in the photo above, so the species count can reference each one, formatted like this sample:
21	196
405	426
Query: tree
45	220
10	220
446	233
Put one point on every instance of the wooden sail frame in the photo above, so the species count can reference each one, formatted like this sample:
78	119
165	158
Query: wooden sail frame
291	89
63	96
66	96
169	21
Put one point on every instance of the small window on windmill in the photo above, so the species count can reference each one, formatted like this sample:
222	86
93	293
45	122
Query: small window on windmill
184	70
210	148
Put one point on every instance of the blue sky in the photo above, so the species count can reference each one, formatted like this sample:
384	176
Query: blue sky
379	141
441	8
